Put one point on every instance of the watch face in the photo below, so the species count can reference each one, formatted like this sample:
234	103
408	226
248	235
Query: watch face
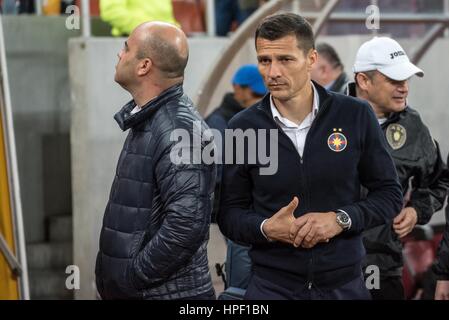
344	218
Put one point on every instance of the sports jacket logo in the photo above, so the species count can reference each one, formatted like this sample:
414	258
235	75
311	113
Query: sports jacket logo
396	136
337	141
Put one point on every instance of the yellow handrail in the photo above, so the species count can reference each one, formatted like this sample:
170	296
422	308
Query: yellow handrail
8	281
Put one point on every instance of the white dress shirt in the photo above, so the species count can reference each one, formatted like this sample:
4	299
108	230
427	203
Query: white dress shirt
297	133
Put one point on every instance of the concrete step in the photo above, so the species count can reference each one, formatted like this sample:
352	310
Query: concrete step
49	284
60	228
49	255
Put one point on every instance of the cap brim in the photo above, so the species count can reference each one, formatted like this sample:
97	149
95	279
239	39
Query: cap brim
401	71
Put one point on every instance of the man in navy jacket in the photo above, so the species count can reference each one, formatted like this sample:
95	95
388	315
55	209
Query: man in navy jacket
304	221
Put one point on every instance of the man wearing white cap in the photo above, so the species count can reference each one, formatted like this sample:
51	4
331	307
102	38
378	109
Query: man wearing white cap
381	72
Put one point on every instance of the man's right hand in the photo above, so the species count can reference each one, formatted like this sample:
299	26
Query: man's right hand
277	228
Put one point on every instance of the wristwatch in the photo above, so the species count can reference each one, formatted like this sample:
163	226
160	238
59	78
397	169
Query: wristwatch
343	220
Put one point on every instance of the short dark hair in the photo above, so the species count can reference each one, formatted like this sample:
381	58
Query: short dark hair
328	52
165	56
281	25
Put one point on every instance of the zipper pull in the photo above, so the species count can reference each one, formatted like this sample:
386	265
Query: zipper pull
310	286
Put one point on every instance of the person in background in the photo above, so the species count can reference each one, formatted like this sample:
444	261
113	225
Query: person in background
125	15
228	12
381	71
248	89
441	267
328	71
10	6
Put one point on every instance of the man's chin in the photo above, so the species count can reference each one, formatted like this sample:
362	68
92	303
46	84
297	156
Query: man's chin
279	95
398	107
117	80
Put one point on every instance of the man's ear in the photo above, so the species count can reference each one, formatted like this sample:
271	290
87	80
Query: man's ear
362	80
312	57
144	66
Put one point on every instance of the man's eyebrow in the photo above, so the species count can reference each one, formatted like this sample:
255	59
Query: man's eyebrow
283	56
126	44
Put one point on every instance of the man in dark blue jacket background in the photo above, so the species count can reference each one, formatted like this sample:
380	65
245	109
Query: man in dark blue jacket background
328	145
248	89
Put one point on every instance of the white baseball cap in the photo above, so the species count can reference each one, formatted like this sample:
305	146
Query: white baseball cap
386	56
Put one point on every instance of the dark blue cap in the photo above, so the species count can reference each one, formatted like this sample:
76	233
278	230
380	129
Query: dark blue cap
248	75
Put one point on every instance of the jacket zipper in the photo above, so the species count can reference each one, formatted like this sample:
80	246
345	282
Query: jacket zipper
323	107
310	272
311	261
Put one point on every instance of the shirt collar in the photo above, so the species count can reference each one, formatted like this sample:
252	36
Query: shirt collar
136	109
277	116
382	120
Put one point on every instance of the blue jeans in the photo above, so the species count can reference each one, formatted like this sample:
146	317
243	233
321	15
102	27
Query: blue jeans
227	11
237	266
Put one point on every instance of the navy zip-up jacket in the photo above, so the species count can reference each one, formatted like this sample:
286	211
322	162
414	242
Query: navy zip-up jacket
323	180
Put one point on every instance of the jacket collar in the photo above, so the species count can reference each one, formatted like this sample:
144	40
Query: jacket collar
229	107
395	117
264	105
127	120
339	83
350	90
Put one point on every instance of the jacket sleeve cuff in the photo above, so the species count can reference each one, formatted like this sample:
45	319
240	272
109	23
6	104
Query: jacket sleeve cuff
422	219
356	218
443	277
263	233
259	234
261	229
439	275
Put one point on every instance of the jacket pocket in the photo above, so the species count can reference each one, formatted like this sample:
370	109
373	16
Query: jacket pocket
138	244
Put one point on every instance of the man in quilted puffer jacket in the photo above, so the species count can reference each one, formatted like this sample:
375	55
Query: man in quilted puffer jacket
156	223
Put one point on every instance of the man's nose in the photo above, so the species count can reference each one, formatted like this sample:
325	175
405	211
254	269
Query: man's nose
274	71
119	54
403	86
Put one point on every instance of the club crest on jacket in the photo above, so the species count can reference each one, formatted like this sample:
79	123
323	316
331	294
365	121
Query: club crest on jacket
337	141
396	136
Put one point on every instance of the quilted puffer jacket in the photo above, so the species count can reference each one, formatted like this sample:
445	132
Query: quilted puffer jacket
156	223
